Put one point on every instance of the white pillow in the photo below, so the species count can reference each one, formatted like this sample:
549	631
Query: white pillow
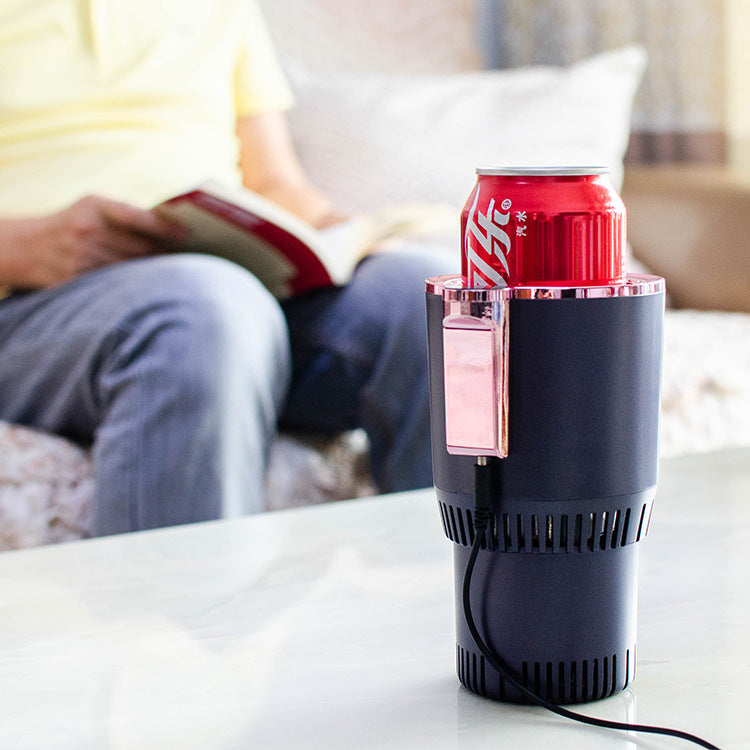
369	141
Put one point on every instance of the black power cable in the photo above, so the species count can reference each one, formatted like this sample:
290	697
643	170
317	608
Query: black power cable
482	514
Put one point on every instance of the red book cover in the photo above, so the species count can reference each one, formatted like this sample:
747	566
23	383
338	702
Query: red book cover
288	255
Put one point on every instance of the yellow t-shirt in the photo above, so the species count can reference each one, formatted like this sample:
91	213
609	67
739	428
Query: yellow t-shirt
132	99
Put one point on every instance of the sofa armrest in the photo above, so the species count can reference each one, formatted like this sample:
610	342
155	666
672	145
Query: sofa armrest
691	224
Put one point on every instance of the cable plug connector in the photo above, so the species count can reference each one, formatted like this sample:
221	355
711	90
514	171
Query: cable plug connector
482	496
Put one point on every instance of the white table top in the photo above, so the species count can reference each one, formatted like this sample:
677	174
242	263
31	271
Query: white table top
332	628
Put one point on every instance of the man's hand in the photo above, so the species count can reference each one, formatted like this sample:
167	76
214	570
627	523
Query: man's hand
93	232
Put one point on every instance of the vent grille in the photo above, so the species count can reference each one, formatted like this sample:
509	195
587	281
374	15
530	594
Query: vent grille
471	670
458	524
552	532
558	682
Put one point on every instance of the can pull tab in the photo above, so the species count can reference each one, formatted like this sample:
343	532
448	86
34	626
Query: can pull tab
476	384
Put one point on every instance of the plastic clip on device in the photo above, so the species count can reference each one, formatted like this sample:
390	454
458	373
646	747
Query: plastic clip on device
544	407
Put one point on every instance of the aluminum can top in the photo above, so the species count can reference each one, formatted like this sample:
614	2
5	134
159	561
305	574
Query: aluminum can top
542	171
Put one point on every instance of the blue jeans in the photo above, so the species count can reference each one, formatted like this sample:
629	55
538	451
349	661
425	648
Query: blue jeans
178	369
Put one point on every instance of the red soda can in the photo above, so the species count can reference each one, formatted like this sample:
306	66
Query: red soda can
543	227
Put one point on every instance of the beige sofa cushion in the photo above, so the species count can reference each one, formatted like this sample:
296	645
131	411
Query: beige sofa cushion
691	224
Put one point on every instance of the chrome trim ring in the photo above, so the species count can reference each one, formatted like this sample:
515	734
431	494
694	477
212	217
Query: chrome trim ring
636	285
450	287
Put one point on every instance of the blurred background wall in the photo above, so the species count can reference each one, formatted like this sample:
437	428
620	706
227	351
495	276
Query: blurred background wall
694	103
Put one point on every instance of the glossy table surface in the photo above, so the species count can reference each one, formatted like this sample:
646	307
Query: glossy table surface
332	628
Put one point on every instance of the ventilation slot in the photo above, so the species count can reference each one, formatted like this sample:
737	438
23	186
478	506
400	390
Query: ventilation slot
521	534
549	535
625	527
577	535
644	522
615	537
564	532
535	533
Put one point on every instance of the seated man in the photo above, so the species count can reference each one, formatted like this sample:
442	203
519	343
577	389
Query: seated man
178	368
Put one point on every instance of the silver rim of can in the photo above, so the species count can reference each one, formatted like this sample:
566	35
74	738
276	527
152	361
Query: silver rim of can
543	171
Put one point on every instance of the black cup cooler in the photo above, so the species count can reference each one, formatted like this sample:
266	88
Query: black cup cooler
554	590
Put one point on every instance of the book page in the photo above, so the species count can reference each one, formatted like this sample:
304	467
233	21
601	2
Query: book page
213	235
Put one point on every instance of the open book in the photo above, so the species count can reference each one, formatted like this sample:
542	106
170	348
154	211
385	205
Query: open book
285	253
